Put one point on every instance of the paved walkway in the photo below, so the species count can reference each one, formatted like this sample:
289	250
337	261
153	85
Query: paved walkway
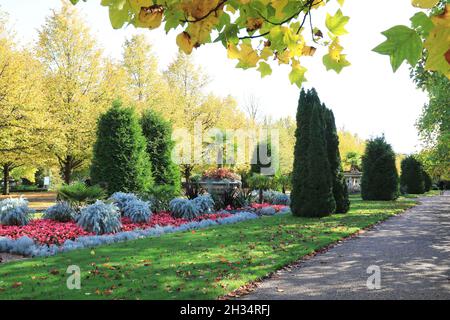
412	251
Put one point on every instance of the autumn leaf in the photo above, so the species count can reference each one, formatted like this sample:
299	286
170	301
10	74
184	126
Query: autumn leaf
184	42
265	69
151	17
297	74
336	24
424	4
438	44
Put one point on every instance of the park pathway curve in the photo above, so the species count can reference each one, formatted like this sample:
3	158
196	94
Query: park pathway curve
412	251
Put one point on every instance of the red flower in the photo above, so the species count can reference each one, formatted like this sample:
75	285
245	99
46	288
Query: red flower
52	232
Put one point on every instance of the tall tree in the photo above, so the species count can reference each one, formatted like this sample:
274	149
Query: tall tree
380	178
73	86
158	134
120	161
412	178
23	122
340	191
312	192
144	82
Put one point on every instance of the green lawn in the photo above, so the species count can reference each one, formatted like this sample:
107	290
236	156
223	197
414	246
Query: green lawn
204	264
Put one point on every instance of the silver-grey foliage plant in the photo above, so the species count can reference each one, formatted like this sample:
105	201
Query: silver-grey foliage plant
204	203
15	212
137	210
62	211
100	218
184	208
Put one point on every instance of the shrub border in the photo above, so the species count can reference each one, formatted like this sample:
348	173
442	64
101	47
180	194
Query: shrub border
28	247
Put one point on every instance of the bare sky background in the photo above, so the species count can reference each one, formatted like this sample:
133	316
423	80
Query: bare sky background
367	98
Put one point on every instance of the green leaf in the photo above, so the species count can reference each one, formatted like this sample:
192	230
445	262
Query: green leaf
265	69
336	24
422	23
119	13
402	44
336	65
297	75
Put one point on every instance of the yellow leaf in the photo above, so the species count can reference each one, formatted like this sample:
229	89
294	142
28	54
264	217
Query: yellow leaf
184	42
136	5
232	51
279	5
266	53
318	3
283	57
254	24
308	51
341	2
438	44
335	49
151	17
297	74
247	56
424	4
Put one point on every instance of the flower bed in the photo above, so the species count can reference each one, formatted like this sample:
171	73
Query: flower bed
277	207
25	245
50	232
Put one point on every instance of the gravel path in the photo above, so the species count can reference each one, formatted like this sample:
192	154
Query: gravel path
412	251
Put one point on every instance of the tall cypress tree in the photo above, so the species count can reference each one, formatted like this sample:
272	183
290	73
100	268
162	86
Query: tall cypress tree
340	191
120	161
312	194
380	178
299	170
158	135
412	177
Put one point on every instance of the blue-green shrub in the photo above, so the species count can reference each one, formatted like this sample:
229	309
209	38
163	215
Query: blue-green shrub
137	210
184	208
62	211
281	199
204	203
15	212
100	218
120	199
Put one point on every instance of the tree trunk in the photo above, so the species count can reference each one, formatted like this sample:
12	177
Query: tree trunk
261	196
67	172
6	170
67	165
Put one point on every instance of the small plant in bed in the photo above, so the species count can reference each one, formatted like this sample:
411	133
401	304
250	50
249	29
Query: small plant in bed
100	218
137	210
62	211
79	194
15	212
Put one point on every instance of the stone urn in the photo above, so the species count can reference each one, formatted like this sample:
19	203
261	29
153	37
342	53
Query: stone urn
219	187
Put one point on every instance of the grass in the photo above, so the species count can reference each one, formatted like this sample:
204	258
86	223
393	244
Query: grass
204	264
430	193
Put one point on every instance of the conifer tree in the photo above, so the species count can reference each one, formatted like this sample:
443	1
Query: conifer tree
312	194
412	178
380	178
340	191
158	135
120	161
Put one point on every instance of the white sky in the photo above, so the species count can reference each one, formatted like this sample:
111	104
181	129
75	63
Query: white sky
367	98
